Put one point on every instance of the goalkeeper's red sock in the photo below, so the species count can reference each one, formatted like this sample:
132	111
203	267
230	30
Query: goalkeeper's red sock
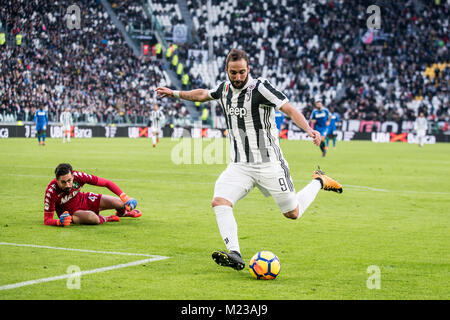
101	219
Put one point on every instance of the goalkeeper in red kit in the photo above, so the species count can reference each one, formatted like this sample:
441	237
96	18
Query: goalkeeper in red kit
72	206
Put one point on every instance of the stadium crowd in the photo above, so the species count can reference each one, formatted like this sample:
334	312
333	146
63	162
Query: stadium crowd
131	14
307	49
91	70
316	46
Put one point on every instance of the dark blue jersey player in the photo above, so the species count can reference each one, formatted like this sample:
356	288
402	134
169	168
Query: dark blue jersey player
41	120
321	118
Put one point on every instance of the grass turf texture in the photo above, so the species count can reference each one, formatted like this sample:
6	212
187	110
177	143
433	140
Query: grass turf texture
393	214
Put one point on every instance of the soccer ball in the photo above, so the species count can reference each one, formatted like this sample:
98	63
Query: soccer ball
265	265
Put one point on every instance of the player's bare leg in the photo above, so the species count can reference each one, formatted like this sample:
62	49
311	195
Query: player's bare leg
108	202
307	195
293	214
85	217
421	141
155	138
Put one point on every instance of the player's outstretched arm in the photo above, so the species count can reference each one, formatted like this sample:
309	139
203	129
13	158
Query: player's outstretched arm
200	95
300	120
101	182
128	202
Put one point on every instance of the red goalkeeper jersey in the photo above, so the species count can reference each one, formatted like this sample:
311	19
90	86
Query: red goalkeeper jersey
56	199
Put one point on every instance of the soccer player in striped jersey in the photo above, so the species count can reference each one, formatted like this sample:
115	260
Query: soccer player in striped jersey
72	206
66	122
249	106
421	127
156	118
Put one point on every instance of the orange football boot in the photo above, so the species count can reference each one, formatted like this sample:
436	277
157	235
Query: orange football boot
112	218
130	214
328	183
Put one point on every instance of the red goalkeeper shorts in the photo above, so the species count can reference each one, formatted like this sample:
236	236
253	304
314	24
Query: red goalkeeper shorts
83	201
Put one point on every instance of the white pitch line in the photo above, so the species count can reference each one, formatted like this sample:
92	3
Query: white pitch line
211	182
396	191
65	276
79	250
368	188
387	190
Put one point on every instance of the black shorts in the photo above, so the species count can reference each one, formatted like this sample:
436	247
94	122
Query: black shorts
332	135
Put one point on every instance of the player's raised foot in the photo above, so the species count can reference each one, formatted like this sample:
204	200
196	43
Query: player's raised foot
112	218
328	183
231	259
135	213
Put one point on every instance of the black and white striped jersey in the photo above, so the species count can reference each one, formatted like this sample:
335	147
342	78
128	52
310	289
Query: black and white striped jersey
156	117
66	119
250	118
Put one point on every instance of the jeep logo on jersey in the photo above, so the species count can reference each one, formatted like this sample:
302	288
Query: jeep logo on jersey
235	111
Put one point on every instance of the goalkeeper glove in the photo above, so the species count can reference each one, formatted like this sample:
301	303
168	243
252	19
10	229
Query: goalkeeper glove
65	219
128	203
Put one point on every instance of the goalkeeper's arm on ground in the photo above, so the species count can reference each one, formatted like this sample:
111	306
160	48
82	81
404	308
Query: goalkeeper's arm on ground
64	220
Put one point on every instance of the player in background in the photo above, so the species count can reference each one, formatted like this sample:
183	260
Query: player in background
256	158
41	121
66	123
335	123
156	118
421	127
63	195
320	118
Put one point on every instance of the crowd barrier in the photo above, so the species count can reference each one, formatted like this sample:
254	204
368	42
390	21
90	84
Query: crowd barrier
290	133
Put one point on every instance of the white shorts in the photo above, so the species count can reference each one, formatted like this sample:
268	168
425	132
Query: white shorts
272	179
421	133
155	129
66	128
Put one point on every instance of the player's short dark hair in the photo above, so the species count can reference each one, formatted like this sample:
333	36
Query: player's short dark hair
235	55
63	169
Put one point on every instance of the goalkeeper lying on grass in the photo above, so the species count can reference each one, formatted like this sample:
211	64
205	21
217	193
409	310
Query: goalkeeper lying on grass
72	206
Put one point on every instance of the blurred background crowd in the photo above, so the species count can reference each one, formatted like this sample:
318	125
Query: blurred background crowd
305	48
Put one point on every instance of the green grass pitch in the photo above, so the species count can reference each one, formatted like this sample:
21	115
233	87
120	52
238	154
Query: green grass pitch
393	216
